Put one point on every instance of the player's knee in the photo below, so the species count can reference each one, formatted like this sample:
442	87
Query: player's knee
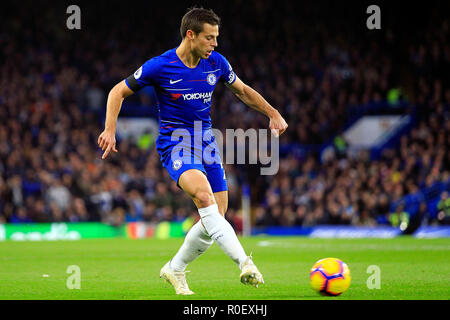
203	199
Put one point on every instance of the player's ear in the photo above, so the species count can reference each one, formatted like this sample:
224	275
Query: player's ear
190	34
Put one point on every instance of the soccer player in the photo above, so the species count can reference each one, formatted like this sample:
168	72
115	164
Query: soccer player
184	79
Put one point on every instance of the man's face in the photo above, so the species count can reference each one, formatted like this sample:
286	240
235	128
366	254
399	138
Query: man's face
205	42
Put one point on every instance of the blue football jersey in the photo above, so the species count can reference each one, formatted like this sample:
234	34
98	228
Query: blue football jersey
183	93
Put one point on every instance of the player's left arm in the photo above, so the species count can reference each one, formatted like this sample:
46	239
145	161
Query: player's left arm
254	100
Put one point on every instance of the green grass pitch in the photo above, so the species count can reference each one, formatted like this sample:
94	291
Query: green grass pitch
129	269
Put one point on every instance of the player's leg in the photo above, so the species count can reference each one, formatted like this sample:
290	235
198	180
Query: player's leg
195	243
221	198
197	240
249	272
217	179
196	185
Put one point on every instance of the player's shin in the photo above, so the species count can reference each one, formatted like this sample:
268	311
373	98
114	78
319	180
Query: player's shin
223	233
196	242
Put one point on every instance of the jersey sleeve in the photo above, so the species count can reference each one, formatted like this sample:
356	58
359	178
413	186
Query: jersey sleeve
146	75
227	74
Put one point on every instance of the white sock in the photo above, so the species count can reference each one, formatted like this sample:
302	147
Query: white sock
223	233
196	242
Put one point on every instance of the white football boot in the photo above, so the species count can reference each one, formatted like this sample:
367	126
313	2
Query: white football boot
176	278
250	273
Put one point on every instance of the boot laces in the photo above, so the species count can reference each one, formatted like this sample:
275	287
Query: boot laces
181	278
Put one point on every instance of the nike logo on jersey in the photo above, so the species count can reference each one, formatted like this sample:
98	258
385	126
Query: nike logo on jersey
174	81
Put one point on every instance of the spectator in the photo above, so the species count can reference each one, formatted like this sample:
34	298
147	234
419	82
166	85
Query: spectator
58	194
20	216
444	208
399	218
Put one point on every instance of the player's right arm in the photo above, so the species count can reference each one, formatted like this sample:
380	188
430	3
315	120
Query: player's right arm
107	139
144	76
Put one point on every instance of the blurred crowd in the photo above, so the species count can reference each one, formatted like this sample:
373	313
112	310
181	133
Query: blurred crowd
308	63
357	190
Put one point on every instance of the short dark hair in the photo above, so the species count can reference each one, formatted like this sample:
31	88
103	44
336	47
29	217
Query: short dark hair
195	18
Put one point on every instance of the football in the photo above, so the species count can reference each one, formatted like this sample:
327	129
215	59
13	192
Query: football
330	277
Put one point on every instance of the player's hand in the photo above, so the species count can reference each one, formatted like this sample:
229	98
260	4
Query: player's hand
107	142
277	125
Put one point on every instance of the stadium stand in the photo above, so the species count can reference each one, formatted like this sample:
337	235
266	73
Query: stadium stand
320	73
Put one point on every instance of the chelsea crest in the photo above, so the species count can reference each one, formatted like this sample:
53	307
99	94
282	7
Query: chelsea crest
211	79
